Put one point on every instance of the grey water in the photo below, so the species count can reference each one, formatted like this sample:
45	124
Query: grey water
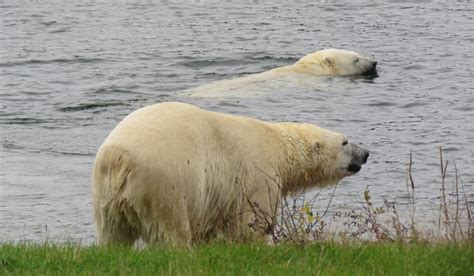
71	70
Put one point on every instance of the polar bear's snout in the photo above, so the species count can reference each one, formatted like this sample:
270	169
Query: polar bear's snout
359	158
371	68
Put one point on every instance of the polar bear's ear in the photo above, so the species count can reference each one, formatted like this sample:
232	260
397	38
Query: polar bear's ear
317	146
329	61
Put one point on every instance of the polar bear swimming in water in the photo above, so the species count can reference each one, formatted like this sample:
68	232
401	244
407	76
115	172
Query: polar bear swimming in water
328	62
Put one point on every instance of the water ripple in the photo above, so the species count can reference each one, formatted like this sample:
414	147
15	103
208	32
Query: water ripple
381	103
86	106
51	61
413	104
23	121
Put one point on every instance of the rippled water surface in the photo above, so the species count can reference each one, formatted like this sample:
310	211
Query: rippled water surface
70	72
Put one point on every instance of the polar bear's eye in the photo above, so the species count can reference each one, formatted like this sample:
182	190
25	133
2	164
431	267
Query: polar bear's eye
345	143
356	60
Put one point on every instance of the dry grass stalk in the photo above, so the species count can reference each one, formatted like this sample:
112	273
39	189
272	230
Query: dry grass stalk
293	219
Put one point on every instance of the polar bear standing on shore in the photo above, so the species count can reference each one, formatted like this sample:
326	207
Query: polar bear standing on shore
174	173
329	62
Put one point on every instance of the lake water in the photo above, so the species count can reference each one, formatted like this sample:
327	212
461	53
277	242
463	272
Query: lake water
69	72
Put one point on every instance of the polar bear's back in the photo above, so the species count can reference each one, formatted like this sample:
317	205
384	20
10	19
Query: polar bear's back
162	125
180	127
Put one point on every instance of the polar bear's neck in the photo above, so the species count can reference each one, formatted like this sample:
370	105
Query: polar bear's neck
299	170
294	159
316	68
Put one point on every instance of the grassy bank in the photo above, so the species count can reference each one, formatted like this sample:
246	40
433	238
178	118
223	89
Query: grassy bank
324	258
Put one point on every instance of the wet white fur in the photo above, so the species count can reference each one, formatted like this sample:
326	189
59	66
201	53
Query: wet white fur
328	62
175	173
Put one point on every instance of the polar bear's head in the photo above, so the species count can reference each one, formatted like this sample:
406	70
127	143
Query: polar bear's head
336	62
330	156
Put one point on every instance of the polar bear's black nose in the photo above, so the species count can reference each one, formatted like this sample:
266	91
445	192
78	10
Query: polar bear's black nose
365	157
370	68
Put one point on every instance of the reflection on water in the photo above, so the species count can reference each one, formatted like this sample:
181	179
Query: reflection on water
71	71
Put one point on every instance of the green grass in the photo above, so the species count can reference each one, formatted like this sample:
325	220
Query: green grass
237	259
